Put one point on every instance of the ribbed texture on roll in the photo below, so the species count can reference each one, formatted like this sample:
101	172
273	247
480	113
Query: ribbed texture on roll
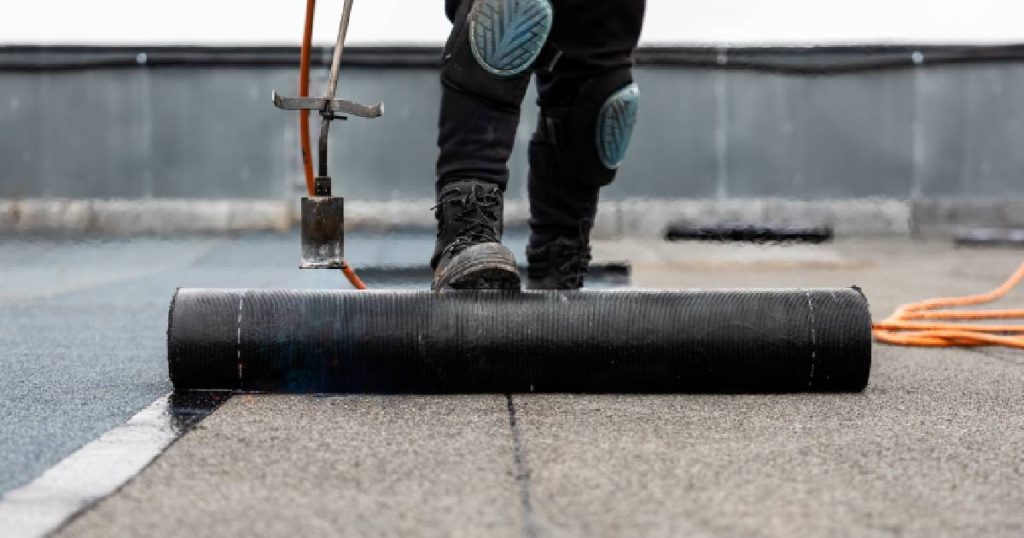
489	341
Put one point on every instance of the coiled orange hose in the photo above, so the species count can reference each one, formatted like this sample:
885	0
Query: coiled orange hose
304	142
910	324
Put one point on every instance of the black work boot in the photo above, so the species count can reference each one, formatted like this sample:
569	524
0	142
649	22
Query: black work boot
562	212
469	253
560	264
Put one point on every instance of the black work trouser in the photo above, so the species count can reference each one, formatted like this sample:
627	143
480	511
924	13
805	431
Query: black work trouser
476	136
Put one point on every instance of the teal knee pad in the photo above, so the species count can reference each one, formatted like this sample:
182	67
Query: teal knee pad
615	123
507	36
591	135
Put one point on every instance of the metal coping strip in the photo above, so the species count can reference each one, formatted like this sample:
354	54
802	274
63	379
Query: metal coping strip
797	60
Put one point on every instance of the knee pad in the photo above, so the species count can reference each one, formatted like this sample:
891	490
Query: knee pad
615	123
592	135
494	45
506	36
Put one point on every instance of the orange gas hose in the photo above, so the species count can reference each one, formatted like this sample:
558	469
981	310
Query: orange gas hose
307	44
307	156
352	277
904	327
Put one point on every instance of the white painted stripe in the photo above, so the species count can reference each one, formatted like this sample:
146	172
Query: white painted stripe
90	474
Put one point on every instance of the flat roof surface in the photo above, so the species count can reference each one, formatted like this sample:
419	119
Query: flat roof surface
931	447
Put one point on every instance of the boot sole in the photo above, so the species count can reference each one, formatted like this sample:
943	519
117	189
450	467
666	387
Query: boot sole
482	267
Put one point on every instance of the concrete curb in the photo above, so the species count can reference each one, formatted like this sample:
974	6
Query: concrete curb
941	217
624	218
119	217
650	217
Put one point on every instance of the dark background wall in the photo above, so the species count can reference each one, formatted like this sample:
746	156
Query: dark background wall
715	123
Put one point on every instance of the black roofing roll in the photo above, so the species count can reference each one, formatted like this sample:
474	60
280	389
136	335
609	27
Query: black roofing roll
816	340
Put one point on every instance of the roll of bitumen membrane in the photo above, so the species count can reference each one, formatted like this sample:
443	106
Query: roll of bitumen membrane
625	341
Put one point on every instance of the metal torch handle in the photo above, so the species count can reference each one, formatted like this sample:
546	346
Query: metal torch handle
339	48
332	88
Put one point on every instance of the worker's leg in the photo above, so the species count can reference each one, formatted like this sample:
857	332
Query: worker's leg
589	106
488	61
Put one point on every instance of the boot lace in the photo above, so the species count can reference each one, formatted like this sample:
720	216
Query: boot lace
576	265
478	213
